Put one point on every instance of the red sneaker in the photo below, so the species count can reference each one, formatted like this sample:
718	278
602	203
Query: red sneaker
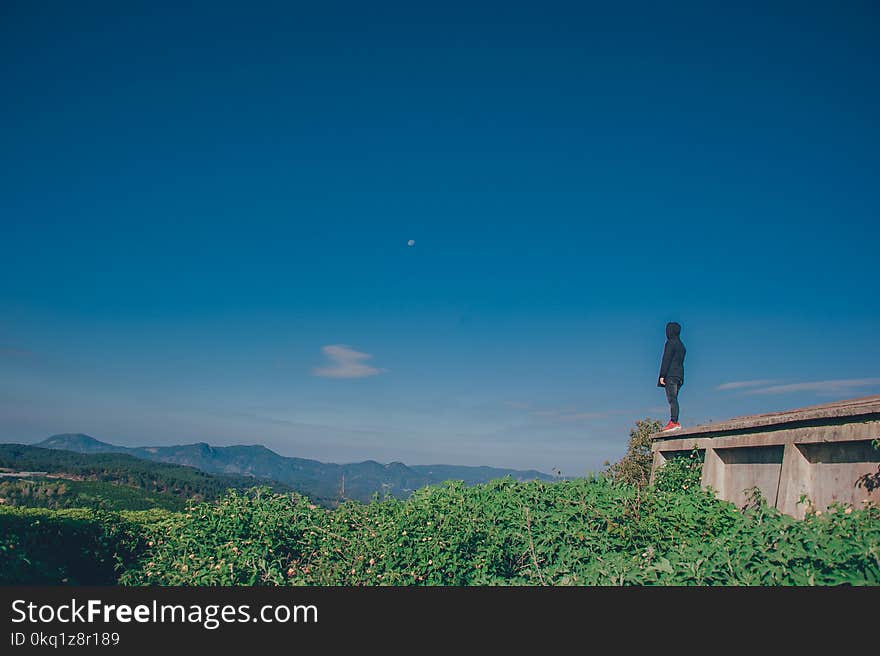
671	426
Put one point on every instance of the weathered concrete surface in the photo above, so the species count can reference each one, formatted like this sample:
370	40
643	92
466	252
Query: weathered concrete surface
820	451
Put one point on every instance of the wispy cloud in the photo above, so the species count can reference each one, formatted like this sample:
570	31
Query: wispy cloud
741	384
345	363
826	386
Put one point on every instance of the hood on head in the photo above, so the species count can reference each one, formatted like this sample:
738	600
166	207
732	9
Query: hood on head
673	329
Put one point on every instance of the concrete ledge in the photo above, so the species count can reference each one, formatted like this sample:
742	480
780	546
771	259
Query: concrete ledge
866	408
862	429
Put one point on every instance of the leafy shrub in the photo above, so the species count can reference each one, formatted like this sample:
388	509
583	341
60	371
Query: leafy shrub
247	538
588	531
635	466
680	473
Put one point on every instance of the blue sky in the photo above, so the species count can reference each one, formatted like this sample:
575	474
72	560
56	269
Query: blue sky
205	216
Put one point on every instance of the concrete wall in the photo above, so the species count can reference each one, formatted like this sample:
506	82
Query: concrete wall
820	452
833	467
747	468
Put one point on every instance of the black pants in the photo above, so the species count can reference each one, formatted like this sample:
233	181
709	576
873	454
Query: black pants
672	387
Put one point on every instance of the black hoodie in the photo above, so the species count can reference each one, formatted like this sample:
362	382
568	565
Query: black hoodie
672	365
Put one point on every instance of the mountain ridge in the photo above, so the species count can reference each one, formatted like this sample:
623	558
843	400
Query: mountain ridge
357	480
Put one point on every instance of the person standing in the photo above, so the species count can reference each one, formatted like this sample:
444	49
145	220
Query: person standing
672	372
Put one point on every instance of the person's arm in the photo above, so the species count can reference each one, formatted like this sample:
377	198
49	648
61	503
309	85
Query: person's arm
664	364
683	352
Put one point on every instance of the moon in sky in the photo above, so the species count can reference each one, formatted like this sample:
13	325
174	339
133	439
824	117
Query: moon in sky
411	242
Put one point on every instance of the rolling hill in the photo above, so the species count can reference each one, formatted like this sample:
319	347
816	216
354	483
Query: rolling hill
42	477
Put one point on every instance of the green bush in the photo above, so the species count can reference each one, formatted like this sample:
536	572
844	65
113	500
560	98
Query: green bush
588	531
680	473
247	538
635	466
52	547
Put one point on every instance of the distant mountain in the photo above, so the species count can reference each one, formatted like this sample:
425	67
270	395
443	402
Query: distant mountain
318	480
476	475
55	478
79	443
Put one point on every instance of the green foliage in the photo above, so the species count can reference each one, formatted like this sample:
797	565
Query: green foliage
680	473
53	493
592	531
635	466
53	547
586	531
245	539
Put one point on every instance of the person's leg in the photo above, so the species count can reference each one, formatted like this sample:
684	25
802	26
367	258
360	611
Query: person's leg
672	397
